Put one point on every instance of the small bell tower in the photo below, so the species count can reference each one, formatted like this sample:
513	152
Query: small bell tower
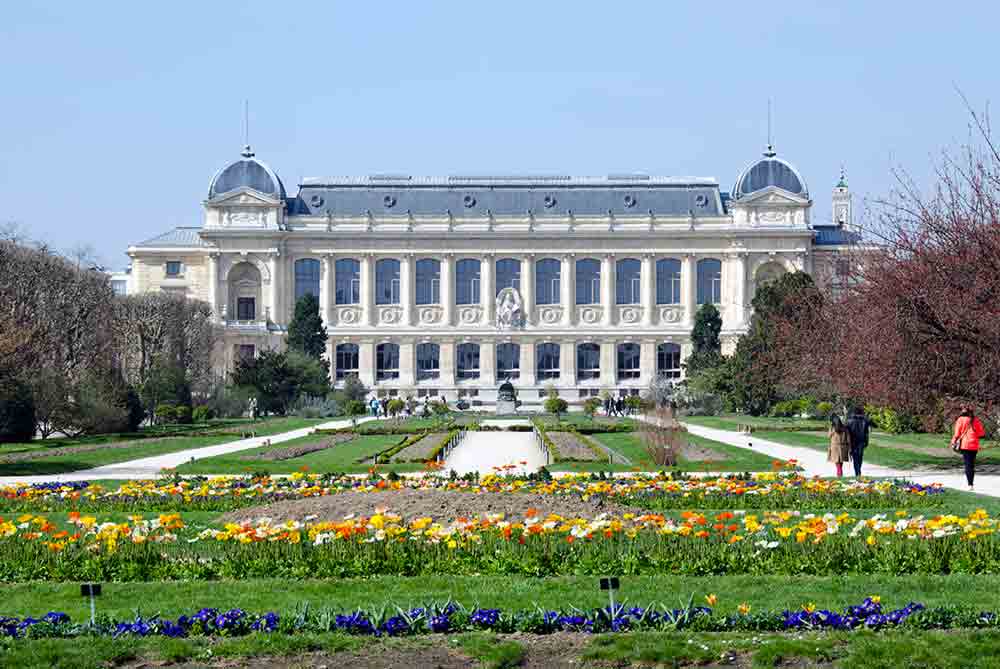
842	202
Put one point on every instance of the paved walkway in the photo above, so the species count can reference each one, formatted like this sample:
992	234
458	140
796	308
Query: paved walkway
147	468
814	462
484	452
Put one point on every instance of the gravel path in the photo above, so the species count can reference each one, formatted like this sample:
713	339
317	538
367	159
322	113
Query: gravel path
484	452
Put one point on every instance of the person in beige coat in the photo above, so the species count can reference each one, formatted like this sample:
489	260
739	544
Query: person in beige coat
840	444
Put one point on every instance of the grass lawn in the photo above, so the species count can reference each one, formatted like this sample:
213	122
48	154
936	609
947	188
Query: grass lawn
341	458
580	420
58	464
890	450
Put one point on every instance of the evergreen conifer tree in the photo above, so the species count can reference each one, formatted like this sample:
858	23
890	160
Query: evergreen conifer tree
306	332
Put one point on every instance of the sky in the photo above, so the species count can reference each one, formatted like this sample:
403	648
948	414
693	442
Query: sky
115	115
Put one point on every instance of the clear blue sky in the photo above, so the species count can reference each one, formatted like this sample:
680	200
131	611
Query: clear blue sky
114	115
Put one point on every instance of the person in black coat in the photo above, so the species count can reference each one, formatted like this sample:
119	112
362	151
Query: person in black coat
859	427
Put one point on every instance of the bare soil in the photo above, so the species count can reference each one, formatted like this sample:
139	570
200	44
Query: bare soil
696	453
421	450
572	447
437	504
289	452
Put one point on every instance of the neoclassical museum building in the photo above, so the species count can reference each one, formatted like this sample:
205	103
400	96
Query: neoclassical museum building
446	286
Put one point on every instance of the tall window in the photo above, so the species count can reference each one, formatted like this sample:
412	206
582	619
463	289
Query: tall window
668	360
387	281
428	361
709	281
246	351
347	276
347	360
428	281
508	361
547	361
246	309
588	362
508	274
467	361
668	281
588	281
548	273
467	281
628	281
306	277
628	361
386	362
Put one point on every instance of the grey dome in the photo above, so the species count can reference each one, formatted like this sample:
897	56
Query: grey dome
770	171
248	172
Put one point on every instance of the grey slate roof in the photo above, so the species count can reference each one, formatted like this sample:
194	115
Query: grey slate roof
180	237
835	235
770	171
478	196
247	172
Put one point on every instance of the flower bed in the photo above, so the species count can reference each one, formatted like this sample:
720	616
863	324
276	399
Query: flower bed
789	542
452	618
656	493
290	452
424	449
571	447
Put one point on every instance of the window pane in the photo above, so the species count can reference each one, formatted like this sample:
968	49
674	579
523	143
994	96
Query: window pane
347	275
668	281
508	274
709	281
245	309
547	361
347	360
588	362
547	281
508	361
173	268
588	281
306	277
467	361
428	279
387	362
467	281
628	361
668	360
387	281
628	272
428	361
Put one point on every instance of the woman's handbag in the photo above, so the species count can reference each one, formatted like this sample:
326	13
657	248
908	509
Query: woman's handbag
956	443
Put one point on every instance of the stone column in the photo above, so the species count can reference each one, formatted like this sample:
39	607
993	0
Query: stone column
608	288
271	312
738	280
527	364
609	364
407	295
689	287
213	284
567	363
528	287
448	290
567	286
366	363
487	364
487	289
325	283
647	289
647	361
407	363
447	363
367	290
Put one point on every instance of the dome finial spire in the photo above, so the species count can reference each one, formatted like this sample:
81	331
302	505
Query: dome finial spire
842	183
769	153
247	151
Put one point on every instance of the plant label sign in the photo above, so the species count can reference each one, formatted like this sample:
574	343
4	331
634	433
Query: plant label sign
90	590
610	583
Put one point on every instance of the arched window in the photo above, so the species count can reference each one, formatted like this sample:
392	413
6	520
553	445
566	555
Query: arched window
668	281
508	361
588	362
628	361
668	360
386	362
628	281
347	277
709	281
428	361
306	277
346	360
428	281
508	274
387	281
548	273
467	361
547	361
588	281
467	281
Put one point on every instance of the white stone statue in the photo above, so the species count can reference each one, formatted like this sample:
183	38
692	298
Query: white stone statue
510	309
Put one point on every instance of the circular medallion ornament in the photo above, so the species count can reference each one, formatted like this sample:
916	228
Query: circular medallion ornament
469	201
549	201
389	316
630	315
630	201
590	315
348	316
470	316
389	201
428	316
550	316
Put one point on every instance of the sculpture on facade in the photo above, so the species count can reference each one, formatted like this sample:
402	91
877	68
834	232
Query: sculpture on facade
510	309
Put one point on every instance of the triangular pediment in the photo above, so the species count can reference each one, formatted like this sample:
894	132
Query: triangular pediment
772	196
243	197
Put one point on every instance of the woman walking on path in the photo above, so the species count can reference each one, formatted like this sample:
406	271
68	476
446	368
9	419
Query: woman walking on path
968	430
840	444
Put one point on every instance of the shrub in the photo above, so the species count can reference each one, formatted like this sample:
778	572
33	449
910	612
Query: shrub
440	408
786	409
17	413
824	409
165	413
201	414
136	412
591	406
556	405
182	414
889	420
316	407
395	406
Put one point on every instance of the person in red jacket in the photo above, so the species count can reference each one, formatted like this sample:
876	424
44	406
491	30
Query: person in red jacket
968	430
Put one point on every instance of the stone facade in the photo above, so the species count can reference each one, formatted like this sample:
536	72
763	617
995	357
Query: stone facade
446	287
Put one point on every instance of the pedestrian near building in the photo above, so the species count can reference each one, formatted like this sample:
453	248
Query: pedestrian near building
839	451
860	428
965	440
